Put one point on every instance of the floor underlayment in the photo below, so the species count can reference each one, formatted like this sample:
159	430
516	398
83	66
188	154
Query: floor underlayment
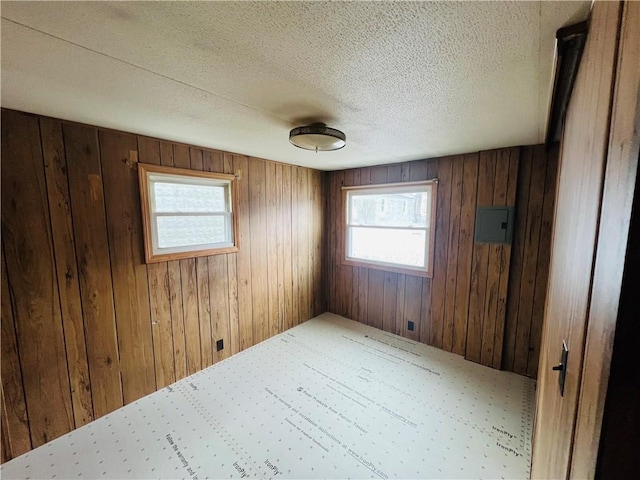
330	398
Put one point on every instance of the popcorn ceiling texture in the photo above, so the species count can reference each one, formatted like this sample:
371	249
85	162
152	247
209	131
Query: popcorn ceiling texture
404	80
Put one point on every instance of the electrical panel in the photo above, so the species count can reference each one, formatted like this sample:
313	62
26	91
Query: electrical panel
494	225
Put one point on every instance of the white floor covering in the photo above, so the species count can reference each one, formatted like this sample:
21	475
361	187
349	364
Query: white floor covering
330	398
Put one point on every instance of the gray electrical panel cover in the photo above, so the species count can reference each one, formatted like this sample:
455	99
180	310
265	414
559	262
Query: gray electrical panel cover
494	225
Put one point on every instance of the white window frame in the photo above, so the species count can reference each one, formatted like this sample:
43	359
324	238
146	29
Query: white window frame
428	186
149	174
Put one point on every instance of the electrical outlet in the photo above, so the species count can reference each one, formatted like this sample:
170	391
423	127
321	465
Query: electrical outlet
410	326
219	345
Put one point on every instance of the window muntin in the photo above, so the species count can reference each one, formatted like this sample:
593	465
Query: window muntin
186	213
391	226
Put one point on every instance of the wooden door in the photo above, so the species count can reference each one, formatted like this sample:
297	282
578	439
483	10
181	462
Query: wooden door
616	252
579	192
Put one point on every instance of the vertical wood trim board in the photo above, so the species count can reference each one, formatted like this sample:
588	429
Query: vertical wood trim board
87	326
471	306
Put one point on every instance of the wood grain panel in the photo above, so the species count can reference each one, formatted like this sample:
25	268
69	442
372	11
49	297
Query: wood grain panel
492	299
202	288
32	281
259	288
160	294
441	251
316	235
425	312
611	314
517	258
345	305
187	348
365	176
580	180
204	311
463	308
480	262
279	244
16	438
465	252
375	297
220	300
400	299
342	289
418	171
499	261
412	306
295	266
273	247
78	279
358	275
160	304
332	224
428	328
505	263
363	295
219	279
355	293
245	311
204	317
5	446
94	268
202	271
379	174
530	258
544	257
67	269
389	301
288	247
302	263
228	167
128	271
453	239
308	226
174	282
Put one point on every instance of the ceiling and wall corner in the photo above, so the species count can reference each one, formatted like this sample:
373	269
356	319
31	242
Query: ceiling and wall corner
404	81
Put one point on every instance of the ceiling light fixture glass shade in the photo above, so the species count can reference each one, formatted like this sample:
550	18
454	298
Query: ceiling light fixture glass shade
317	137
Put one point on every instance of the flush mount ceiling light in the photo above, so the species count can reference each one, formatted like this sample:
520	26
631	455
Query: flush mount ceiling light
317	137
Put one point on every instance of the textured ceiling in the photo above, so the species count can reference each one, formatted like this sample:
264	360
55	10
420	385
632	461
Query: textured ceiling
403	80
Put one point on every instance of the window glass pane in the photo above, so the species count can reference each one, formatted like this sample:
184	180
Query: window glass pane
191	230
405	247
390	210
180	197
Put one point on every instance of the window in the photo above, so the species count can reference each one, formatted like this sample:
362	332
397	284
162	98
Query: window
397	237
186	213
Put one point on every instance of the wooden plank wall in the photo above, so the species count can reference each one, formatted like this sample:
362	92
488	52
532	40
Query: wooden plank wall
478	303
530	260
88	327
